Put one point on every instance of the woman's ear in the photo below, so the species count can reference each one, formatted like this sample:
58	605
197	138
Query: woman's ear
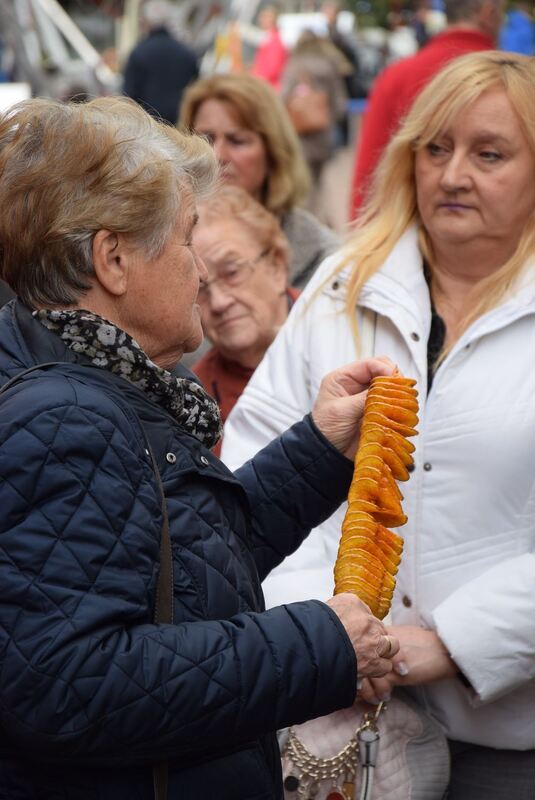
111	260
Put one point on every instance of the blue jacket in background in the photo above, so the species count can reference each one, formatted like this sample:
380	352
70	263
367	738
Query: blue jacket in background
157	71
91	691
518	33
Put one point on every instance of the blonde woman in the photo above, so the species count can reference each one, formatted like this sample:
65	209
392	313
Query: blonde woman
440	276
257	149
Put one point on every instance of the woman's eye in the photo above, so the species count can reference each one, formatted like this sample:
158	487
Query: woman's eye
210	138
435	149
490	155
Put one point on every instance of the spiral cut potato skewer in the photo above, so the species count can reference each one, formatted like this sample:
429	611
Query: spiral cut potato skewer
369	554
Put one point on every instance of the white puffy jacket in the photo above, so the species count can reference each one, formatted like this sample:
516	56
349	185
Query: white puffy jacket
468	569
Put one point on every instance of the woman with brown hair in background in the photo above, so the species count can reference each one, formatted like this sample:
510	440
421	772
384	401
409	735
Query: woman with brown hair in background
257	148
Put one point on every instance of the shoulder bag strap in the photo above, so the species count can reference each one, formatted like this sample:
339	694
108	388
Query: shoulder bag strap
163	612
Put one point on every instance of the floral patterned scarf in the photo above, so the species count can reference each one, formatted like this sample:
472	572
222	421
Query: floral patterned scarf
111	348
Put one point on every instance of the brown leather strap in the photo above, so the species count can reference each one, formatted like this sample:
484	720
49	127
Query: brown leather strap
160	775
21	375
163	612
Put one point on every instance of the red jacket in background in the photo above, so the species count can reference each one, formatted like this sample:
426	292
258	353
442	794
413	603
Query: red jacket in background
392	96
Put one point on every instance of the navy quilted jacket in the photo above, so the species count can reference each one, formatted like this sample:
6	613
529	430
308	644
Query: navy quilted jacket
91	691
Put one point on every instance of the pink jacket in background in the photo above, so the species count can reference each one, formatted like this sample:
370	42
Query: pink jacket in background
270	59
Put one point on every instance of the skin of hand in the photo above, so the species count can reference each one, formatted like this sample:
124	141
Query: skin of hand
339	405
367	634
421	652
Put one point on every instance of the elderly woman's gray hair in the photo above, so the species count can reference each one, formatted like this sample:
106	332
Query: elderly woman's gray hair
69	170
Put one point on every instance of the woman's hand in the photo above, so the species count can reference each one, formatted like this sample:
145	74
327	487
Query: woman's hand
422	658
340	402
374	647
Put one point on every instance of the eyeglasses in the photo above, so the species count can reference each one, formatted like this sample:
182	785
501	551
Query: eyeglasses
229	276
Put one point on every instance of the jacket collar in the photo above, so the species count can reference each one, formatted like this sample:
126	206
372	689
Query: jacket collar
24	342
161	30
399	291
469	37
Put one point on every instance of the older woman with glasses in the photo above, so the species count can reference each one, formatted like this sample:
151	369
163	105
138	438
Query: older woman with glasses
246	297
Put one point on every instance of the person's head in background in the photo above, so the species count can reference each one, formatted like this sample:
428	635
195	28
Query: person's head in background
462	169
254	141
267	18
308	41
483	15
330	11
245	299
155	14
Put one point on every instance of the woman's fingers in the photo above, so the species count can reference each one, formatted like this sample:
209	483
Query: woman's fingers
373	690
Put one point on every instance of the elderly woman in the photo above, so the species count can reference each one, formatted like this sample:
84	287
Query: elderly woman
246	297
257	148
440	276
133	630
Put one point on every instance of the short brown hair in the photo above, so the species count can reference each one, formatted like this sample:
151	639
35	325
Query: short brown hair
69	170
258	109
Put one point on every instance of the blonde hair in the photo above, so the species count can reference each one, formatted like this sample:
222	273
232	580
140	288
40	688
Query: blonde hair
391	208
233	202
258	109
69	170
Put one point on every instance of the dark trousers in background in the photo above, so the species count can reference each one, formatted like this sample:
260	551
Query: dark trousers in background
483	773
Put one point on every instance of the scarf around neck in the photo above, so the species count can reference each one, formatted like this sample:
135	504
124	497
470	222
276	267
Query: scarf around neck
111	348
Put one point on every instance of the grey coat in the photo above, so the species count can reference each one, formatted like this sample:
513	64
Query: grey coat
310	242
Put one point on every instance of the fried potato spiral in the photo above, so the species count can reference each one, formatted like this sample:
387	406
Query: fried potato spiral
369	554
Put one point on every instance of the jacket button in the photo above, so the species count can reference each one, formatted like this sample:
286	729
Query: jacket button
335	285
407	602
204	461
411	467
427	466
415	336
171	458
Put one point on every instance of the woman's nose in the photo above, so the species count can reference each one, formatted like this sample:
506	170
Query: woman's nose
221	150
456	174
219	298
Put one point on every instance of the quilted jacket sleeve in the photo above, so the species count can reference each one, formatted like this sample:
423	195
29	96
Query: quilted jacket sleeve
83	673
294	484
